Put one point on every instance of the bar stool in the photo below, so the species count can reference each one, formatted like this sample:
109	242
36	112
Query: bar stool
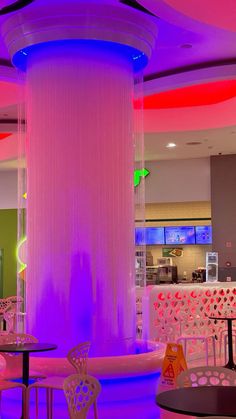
81	391
195	328
206	376
9	385
77	357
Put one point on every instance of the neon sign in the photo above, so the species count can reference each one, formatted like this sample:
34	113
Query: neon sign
20	251
139	174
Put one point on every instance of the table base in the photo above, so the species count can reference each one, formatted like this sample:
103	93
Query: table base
230	366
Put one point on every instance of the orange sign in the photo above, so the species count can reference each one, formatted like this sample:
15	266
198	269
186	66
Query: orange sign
173	364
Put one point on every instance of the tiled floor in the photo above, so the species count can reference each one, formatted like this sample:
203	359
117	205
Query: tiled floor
11	405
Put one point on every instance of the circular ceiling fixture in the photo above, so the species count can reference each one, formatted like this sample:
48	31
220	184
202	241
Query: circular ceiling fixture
12	6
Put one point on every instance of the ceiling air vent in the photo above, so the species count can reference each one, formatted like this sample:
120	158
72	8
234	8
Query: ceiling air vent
193	143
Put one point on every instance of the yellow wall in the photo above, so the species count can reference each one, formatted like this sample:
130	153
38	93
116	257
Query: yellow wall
178	210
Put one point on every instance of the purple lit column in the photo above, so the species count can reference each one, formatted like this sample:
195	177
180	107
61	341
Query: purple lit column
80	162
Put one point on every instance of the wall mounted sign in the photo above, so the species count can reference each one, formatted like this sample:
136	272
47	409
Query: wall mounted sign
139	174
172	252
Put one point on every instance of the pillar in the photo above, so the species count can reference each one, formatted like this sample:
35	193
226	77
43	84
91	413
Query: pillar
79	61
223	208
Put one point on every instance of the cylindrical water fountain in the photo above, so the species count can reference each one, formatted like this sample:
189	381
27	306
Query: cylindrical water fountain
80	59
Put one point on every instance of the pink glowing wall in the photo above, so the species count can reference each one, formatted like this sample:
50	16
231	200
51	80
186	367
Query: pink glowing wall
80	152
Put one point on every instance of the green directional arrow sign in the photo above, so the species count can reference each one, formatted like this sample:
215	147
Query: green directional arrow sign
139	174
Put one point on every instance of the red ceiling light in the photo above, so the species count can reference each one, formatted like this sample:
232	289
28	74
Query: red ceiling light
197	95
4	135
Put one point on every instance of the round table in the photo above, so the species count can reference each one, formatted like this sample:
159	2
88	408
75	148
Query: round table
230	364
200	401
25	349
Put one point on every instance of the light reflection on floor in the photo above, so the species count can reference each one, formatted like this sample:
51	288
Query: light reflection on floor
11	406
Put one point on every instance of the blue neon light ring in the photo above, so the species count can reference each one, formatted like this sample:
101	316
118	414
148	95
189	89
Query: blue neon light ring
139	59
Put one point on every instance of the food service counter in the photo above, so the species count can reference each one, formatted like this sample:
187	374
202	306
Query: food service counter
163	303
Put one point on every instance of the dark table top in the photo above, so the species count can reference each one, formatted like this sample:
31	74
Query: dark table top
223	316
200	401
28	347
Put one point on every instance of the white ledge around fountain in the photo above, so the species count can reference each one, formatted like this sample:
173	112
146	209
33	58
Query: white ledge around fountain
132	365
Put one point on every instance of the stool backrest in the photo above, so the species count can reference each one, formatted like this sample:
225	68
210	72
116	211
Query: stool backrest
81	391
17	338
78	357
206	376
5	304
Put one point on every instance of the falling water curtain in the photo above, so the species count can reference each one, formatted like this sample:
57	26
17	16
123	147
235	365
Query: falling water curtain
21	252
139	185
139	180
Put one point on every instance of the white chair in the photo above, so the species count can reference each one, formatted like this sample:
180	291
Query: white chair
14	365
9	385
206	376
222	330
5	305
223	342
13	312
139	317
78	357
194	327
81	391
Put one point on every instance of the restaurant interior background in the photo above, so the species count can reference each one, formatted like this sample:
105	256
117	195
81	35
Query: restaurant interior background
189	124
178	193
189	100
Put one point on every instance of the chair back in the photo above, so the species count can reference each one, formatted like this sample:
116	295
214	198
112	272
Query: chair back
81	391
5	304
15	300
194	323
206	376
12	311
18	338
78	357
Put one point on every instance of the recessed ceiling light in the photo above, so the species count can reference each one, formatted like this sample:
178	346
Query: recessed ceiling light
193	143
171	145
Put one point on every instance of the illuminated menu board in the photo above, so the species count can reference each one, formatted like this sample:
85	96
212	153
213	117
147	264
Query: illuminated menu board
173	235
180	235
203	234
149	235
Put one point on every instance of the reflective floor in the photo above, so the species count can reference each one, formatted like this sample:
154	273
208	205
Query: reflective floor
11	405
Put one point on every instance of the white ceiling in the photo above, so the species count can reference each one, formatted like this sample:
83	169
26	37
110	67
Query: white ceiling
212	142
209	47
